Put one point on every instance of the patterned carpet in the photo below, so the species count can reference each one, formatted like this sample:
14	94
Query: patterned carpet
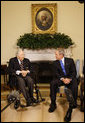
39	112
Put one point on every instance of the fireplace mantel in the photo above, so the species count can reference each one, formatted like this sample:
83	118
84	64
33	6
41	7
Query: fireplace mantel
47	54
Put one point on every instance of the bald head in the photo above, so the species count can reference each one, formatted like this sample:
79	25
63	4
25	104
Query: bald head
20	54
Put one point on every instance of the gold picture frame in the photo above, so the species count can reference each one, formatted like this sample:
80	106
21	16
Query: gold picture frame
44	18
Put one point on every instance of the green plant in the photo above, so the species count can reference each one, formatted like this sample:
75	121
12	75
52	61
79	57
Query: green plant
43	41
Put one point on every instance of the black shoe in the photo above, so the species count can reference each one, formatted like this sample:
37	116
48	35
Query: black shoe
34	100
29	102
68	115
52	108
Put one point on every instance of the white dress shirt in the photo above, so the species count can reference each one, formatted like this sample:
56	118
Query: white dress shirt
63	64
63	60
18	71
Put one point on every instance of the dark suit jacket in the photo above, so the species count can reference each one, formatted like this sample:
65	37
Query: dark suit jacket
14	66
69	67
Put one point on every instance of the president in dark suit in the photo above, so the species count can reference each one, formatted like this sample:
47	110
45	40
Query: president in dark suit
19	71
65	75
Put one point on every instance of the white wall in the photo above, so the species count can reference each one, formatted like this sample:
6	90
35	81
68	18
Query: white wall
16	20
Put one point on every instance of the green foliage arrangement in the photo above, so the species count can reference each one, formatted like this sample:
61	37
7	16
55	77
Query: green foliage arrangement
43	41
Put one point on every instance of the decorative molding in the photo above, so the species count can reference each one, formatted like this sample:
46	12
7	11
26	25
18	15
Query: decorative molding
48	54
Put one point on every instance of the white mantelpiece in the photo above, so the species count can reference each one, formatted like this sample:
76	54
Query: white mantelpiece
47	54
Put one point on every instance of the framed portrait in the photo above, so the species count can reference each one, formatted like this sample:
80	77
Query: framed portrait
44	18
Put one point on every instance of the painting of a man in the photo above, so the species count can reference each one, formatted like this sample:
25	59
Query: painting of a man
44	19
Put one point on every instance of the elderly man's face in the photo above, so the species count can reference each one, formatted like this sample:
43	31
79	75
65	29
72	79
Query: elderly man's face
21	56
58	56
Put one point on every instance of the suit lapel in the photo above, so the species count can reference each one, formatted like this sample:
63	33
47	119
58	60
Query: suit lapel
65	64
17	62
24	63
60	66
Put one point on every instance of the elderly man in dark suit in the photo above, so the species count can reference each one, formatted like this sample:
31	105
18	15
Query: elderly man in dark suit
20	70
65	75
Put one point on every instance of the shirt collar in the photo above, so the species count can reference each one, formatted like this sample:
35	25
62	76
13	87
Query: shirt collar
63	60
19	61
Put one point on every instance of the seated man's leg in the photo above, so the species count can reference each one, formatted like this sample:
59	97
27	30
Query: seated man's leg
74	89
53	90
71	93
30	85
22	87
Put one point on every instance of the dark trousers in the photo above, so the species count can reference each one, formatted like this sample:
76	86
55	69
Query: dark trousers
24	82
73	86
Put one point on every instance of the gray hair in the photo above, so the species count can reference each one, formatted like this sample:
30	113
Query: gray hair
61	51
19	51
